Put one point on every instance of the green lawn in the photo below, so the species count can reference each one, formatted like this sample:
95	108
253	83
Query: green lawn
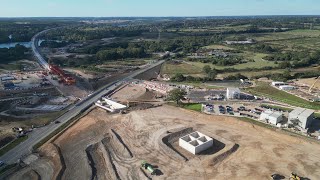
194	107
299	44
301	33
217	46
183	68
12	145
264	89
257	57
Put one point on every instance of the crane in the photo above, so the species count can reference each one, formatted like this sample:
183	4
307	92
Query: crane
314	84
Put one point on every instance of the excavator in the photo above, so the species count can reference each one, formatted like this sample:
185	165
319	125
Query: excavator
293	176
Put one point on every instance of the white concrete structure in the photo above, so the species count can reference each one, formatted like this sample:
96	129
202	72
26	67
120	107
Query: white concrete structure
286	88
301	117
272	117
196	142
275	83
7	78
233	93
110	105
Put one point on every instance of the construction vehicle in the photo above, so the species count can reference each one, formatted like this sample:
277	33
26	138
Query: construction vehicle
294	177
148	167
317	79
277	177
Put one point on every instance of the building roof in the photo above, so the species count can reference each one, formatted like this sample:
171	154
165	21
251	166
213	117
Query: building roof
277	82
301	112
273	114
284	86
276	114
233	89
307	113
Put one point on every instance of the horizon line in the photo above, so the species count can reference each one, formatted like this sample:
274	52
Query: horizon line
155	16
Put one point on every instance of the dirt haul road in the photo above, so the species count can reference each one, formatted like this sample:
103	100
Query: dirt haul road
105	146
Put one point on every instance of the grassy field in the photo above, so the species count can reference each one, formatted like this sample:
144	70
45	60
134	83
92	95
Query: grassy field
216	46
193	107
195	68
264	89
303	33
183	68
9	67
12	145
299	44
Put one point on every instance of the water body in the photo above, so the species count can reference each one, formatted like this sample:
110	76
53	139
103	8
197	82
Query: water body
10	45
25	44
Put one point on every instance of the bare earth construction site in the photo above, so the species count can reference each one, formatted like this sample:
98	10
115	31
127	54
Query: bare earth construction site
112	146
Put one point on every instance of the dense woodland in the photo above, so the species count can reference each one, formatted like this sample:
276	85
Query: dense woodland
12	54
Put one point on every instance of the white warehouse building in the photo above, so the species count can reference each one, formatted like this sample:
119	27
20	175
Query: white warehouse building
286	88
275	83
233	93
272	117
195	142
301	117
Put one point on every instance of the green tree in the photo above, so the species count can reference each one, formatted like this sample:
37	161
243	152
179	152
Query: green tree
176	95
206	69
284	65
212	74
179	77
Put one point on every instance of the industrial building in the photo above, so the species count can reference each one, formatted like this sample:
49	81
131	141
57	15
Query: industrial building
233	93
271	117
286	88
196	142
301	117
110	105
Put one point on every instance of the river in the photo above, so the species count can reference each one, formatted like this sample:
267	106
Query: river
26	44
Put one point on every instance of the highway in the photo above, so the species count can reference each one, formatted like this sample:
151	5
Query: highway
34	47
39	134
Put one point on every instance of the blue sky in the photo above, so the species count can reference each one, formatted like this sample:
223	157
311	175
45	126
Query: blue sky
107	8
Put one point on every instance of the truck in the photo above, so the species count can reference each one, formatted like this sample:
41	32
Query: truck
148	167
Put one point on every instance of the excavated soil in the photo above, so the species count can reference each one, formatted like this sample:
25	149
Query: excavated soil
112	146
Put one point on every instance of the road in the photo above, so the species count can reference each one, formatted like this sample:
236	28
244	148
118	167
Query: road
36	53
39	134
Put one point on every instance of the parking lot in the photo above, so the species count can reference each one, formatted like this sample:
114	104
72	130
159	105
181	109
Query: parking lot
201	96
240	110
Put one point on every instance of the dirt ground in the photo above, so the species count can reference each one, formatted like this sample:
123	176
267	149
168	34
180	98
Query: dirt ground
112	146
132	92
309	82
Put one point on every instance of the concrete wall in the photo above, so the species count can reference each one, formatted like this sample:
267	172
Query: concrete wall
150	74
195	142
274	120
110	105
